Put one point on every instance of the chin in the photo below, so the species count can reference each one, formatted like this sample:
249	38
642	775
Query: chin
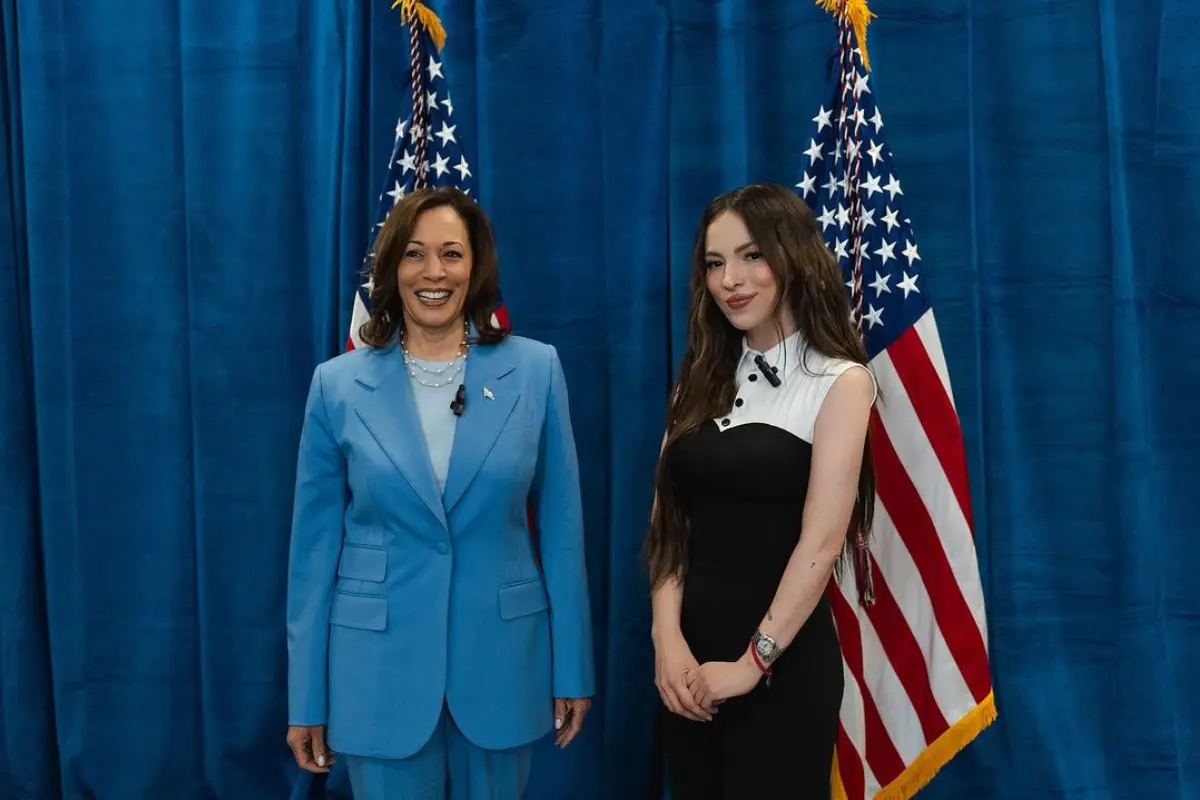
745	322
435	317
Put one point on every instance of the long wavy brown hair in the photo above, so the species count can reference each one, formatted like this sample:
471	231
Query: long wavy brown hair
812	289
483	288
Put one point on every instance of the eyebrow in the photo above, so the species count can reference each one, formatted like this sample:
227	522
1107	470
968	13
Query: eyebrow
740	248
444	244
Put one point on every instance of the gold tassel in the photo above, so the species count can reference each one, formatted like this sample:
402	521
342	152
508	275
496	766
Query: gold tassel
415	11
860	17
926	765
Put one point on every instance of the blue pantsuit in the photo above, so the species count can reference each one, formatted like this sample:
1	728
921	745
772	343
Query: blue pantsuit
448	766
420	621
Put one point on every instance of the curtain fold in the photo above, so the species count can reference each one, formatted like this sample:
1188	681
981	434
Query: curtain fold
28	750
185	198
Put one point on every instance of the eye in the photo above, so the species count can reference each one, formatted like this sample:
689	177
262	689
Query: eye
414	255
753	255
454	254
714	263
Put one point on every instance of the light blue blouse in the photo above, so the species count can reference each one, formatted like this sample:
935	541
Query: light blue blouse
437	420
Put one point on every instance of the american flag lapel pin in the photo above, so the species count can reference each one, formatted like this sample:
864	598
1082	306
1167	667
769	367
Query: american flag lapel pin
487	393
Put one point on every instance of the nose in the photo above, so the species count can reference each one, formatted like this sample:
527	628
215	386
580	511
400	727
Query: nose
435	268
731	277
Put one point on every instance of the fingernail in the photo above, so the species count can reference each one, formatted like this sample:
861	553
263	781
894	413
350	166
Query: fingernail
557	723
320	761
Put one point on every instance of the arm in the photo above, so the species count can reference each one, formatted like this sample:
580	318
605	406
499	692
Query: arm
838	443
558	510
665	604
317	519
673	659
666	600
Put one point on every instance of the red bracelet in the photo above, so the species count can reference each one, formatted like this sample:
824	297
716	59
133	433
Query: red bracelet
758	661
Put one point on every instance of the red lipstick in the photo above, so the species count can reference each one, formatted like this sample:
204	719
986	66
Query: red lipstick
738	301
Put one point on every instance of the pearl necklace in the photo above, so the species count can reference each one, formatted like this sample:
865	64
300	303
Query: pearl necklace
459	362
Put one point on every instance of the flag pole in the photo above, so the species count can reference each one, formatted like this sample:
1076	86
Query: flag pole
852	17
419	17
858	16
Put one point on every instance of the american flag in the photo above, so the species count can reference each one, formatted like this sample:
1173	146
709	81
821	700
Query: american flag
426	152
918	685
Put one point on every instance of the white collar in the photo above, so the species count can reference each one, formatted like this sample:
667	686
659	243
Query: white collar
785	355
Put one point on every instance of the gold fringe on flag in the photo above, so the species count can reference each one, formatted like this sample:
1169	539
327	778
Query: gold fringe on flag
925	766
414	11
860	17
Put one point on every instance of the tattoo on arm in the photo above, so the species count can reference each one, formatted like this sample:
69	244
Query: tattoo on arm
812	564
769	617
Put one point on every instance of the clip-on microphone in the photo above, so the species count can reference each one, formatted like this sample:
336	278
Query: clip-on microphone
767	370
459	404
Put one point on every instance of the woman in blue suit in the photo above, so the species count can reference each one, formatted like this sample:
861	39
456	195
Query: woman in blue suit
428	643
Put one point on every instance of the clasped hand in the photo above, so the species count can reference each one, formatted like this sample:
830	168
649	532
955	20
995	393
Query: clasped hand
694	690
714	682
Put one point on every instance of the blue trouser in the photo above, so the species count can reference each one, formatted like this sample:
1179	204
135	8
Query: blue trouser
448	766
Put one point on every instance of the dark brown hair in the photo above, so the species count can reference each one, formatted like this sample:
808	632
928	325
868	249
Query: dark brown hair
811	286
483	289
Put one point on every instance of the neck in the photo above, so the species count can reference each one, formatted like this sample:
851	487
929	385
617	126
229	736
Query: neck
434	344
770	333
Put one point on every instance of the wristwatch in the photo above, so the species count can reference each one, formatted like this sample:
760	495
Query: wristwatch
765	647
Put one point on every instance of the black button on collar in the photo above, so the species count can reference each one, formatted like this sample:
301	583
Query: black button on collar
739	402
725	423
753	377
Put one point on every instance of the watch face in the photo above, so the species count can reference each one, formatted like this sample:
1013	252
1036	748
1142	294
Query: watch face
765	646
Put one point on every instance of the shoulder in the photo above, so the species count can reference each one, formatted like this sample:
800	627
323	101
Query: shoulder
853	381
525	347
535	365
351	361
845	386
335	375
809	386
538	359
829	371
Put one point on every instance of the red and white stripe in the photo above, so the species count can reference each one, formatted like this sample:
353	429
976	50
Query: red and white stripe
916	661
358	316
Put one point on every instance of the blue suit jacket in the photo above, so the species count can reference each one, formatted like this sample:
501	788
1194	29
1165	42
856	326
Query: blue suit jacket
399	597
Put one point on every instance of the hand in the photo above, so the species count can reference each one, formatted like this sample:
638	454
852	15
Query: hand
568	718
308	746
716	681
673	664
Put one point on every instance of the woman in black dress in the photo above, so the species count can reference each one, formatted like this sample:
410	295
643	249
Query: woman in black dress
763	473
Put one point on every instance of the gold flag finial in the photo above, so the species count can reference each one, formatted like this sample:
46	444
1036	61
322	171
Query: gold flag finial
858	15
414	12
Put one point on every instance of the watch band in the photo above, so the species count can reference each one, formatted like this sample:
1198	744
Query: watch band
766	649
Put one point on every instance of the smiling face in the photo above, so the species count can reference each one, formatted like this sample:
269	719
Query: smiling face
435	270
739	279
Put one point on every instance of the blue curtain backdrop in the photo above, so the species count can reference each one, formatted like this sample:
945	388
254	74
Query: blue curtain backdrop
183	193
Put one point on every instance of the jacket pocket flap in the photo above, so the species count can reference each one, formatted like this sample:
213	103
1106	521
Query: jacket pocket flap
362	611
522	599
363	563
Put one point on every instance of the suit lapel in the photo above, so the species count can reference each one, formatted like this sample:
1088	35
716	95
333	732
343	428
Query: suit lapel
484	417
390	415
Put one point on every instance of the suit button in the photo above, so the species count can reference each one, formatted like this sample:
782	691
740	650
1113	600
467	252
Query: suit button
443	548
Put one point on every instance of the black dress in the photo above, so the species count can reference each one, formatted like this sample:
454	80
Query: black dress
742	481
